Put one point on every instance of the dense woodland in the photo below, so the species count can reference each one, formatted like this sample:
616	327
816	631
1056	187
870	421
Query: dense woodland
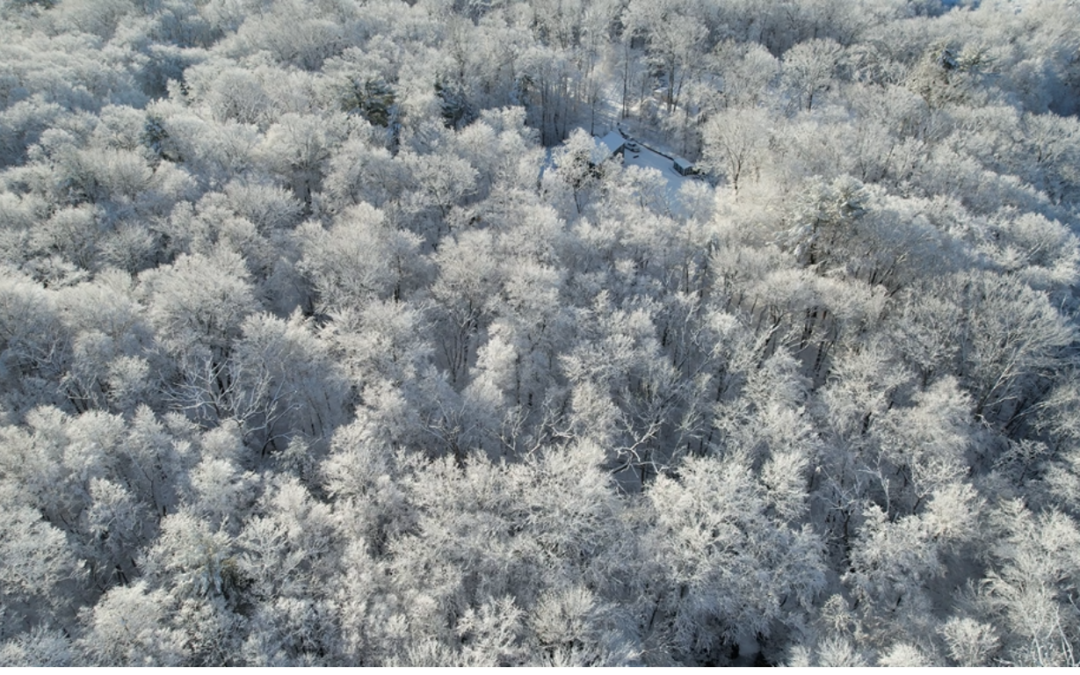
305	360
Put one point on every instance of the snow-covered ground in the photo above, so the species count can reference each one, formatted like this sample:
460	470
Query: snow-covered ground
608	118
646	157
650	159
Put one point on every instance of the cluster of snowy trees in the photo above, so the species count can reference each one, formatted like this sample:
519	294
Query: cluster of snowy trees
304	360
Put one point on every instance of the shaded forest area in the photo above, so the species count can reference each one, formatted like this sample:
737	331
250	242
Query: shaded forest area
305	361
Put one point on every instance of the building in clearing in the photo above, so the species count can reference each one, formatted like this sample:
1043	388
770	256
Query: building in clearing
611	144
684	167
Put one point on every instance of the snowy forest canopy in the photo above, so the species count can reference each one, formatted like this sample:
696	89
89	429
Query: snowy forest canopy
325	340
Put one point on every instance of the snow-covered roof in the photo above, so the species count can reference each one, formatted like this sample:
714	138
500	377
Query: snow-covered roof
683	163
611	143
